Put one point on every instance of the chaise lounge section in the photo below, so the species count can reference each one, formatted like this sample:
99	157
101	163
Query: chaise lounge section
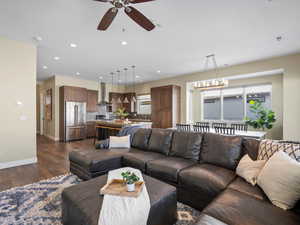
201	167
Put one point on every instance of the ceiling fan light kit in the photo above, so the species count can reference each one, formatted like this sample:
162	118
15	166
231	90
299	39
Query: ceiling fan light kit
132	12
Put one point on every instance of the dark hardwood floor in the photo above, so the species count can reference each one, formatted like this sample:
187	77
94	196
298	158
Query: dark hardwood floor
52	161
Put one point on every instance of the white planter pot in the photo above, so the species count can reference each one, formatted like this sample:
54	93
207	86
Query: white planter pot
130	187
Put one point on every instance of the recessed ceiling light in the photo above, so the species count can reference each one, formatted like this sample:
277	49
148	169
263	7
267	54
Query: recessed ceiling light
137	76
100	77
56	58
72	45
124	43
45	67
38	38
158	71
77	73
120	80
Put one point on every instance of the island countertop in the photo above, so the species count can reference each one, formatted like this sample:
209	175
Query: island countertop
121	124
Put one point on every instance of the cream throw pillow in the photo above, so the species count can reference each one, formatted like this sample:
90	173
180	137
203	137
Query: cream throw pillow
249	169
280	180
119	142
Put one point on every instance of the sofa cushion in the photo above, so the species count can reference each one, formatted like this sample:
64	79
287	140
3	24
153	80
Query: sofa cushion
251	147
221	150
96	160
207	179
239	184
208	220
141	139
186	145
137	159
160	141
234	208
167	168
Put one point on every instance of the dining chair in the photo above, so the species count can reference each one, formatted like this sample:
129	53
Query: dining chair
202	124
225	130
183	127
240	126
218	125
201	128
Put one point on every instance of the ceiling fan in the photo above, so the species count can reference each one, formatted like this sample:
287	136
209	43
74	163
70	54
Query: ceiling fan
133	13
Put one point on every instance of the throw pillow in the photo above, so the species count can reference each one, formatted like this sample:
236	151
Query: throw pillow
221	150
119	142
249	169
267	148
280	180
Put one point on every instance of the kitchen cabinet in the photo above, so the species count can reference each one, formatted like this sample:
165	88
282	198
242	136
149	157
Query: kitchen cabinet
74	94
165	106
91	129
115	105
92	101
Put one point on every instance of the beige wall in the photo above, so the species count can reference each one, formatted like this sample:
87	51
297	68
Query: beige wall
18	83
291	84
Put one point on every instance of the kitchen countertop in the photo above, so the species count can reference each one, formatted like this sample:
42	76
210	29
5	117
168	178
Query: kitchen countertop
118	123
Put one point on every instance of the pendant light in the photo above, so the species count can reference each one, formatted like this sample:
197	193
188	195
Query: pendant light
125	99
214	83
112	88
119	100
133	99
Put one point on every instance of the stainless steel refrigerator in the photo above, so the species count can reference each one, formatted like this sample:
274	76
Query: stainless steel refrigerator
75	120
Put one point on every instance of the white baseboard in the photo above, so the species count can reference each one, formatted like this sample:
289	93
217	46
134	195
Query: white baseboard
52	138
18	163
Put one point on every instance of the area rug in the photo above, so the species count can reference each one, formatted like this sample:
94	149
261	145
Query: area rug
40	203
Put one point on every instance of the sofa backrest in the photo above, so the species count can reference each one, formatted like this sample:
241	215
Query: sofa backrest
251	147
221	150
186	145
160	141
141	138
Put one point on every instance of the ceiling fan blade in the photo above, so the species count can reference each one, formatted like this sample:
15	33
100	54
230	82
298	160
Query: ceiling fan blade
108	18
139	18
139	1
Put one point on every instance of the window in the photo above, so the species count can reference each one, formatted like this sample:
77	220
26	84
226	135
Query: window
212	105
144	104
232	104
258	93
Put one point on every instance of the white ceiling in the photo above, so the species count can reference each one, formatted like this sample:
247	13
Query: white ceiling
237	31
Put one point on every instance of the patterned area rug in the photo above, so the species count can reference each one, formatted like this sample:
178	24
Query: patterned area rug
40	203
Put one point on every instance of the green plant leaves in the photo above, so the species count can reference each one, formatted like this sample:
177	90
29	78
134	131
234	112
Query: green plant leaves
264	117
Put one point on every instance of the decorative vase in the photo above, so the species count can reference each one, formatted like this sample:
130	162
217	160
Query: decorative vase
130	187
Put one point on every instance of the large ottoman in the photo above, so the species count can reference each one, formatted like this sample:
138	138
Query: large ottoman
81	204
87	164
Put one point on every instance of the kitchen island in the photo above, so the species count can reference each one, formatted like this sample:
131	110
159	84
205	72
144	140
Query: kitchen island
106	128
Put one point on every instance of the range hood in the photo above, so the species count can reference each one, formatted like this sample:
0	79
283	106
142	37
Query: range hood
102	91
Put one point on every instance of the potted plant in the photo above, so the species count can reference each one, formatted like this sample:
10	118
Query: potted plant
130	179
264	118
121	113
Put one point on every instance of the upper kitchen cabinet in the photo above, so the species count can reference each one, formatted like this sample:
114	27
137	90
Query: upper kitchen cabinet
165	106
74	94
92	101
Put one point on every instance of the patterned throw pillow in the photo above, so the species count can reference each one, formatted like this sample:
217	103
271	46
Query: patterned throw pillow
267	148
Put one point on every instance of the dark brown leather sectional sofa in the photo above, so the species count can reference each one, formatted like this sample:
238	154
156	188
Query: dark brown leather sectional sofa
201	166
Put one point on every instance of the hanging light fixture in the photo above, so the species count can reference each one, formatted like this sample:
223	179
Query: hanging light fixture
112	88
213	83
133	99
125	99
119	100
